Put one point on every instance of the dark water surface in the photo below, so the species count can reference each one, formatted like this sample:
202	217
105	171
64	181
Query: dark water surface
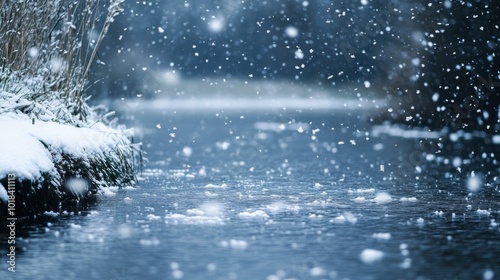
281	195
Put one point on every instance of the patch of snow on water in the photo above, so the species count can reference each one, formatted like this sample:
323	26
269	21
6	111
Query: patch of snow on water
209	213
382	198
382	236
408	199
213	186
235	244
370	256
258	214
277	207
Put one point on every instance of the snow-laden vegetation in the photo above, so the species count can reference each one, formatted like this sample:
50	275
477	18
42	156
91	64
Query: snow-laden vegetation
49	133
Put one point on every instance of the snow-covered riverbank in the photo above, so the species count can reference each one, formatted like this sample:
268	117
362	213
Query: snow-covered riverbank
44	155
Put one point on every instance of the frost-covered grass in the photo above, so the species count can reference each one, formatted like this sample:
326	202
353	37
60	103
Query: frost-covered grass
57	147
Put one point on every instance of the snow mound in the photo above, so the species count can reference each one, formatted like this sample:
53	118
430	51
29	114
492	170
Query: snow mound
35	142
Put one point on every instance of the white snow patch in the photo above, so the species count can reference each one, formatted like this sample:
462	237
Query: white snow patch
362	190
153	217
213	186
29	158
382	198
345	217
277	207
370	256
359	199
255	214
235	244
483	212
3	193
408	199
382	236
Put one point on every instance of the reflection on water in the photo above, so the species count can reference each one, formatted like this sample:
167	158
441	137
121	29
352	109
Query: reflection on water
283	195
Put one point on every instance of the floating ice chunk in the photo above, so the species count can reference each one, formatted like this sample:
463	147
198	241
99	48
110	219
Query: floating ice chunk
408	199
345	217
382	236
255	214
317	185
362	190
339	220
370	256
212	208
438	213
314	216
213	186
496	139
75	226
483	212
153	217
382	197
235	244
51	214
277	207
359	199
420	221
